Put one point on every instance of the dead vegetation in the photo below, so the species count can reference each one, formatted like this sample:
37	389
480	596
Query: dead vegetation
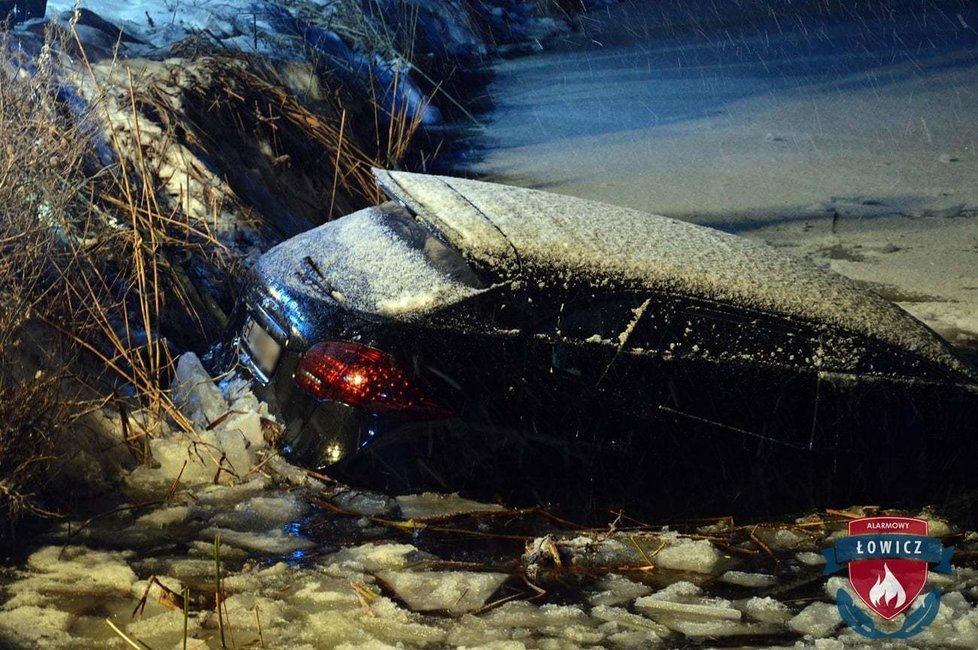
129	193
41	178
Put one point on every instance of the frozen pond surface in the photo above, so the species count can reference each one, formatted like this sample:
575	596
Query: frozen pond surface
847	136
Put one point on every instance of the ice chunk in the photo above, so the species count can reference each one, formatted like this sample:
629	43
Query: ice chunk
362	502
616	589
571	623
73	571
430	505
516	614
651	630
225	496
784	539
742	579
393	624
765	610
680	591
273	613
475	632
810	558
263	511
35	627
323	590
377	557
273	541
956	624
834	583
664	550
453	591
165	517
818	619
689	610
195	392
165	629
829	644
679	607
683	554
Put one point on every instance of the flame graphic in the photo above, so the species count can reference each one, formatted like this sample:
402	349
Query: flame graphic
886	589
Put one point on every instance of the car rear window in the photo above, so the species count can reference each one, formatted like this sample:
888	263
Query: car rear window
378	261
439	255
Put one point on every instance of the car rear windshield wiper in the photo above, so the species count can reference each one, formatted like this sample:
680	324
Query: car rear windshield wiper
323	282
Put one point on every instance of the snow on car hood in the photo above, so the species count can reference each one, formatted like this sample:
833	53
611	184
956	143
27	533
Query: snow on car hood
508	227
363	265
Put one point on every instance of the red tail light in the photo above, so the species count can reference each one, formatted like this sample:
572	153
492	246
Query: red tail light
363	377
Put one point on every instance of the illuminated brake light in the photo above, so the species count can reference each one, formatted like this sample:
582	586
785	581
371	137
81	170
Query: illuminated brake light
363	377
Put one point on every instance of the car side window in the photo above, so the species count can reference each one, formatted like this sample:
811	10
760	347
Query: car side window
853	353
723	334
630	320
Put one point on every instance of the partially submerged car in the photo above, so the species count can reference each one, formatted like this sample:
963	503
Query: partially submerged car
500	341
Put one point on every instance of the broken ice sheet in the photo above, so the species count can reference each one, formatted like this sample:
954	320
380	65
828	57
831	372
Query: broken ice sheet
666	550
43	626
365	502
742	579
431	505
55	574
371	558
195	392
615	589
780	539
272	542
765	610
818	619
681	608
624	618
456	592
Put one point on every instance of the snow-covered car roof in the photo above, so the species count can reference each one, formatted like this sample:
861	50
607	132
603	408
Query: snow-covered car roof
515	229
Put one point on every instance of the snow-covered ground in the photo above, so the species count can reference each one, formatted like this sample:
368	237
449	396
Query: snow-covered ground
848	136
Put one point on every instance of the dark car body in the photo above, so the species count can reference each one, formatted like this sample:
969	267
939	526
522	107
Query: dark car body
545	349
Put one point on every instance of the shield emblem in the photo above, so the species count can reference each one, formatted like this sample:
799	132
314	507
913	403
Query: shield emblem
888	586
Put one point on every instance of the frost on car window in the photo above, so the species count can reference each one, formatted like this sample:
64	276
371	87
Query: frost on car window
377	260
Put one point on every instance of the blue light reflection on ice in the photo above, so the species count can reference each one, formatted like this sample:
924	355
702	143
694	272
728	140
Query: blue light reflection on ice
294	529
